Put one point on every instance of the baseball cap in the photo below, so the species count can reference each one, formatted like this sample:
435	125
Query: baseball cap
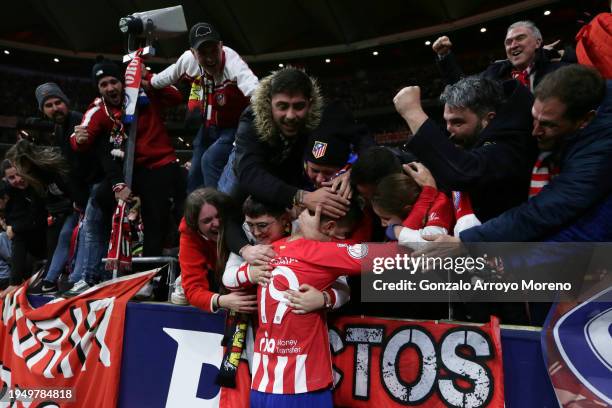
201	33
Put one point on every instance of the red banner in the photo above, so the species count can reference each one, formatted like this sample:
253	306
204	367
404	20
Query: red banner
66	353
394	363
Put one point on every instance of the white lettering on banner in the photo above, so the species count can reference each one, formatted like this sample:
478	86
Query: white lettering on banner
188	364
400	390
457	365
46	341
477	373
363	337
335	341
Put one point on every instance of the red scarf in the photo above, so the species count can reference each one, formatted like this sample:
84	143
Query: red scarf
543	171
119	247
522	76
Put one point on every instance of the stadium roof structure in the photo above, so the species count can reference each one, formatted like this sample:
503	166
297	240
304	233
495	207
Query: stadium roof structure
259	30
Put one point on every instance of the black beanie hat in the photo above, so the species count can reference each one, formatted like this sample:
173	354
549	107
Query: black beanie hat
330	143
103	68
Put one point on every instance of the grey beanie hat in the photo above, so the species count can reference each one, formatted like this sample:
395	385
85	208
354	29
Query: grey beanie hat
49	90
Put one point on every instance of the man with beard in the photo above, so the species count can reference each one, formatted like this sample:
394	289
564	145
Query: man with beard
527	61
490	152
222	84
157	177
270	143
53	103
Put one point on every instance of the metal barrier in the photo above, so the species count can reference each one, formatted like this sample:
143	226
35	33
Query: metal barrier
172	268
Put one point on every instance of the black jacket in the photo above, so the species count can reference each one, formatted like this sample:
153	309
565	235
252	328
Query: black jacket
583	183
499	70
85	168
25	210
495	172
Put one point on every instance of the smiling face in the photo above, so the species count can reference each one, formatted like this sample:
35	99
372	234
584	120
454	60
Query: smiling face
266	229
55	109
111	89
320	173
521	45
14	179
289	112
550	126
209	222
209	56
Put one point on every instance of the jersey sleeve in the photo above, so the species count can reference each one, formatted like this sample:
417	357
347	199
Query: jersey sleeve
338	259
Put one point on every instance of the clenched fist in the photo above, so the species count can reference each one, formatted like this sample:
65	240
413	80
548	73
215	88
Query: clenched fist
408	104
81	134
442	46
407	100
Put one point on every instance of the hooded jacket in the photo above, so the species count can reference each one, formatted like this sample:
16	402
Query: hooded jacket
267	168
496	171
583	183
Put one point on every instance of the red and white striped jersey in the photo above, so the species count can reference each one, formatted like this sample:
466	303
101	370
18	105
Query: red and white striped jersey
292	352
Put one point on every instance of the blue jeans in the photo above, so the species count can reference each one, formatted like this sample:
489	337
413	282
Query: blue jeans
62	250
228	179
93	243
218	144
194	178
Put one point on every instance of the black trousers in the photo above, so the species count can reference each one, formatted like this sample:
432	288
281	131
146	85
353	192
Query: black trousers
31	242
162	192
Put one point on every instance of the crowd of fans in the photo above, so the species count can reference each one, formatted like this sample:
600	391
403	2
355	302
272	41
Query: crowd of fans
284	185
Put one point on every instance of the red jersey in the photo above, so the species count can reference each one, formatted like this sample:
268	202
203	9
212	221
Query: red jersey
292	352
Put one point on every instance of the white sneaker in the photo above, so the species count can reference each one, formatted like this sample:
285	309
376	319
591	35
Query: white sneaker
145	293
178	294
78	288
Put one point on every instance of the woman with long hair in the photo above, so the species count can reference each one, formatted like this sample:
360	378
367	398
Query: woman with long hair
46	171
203	254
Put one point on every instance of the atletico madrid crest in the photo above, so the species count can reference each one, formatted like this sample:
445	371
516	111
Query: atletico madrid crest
318	150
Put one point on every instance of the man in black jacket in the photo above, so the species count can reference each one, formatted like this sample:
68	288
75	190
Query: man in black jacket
527	61
271	140
490	152
84	168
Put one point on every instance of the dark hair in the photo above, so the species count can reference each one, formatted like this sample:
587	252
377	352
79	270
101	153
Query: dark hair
291	81
6	164
395	194
352	217
225	208
580	88
374	164
254	208
37	163
196	200
478	94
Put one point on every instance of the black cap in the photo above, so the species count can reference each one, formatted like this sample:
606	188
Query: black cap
201	33
103	68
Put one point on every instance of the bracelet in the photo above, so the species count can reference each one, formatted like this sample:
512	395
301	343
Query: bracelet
216	302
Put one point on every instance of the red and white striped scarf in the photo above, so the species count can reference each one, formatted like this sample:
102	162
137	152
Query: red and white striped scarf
543	171
119	247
